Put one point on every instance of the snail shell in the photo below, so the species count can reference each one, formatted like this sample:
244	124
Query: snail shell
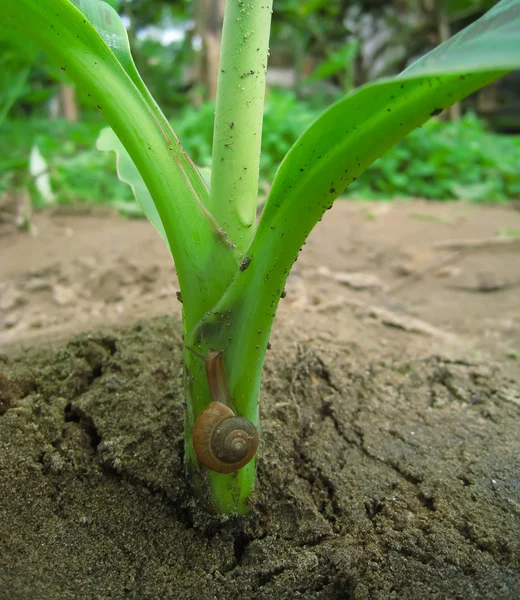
224	442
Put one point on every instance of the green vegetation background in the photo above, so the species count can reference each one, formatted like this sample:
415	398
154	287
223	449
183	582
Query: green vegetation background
440	161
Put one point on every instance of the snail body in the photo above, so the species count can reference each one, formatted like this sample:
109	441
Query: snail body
223	441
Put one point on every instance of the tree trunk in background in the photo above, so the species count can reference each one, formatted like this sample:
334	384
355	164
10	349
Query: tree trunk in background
209	17
443	30
68	105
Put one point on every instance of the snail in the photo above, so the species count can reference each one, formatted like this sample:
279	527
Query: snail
223	441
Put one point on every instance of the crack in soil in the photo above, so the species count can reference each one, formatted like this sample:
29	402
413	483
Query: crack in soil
73	414
328	505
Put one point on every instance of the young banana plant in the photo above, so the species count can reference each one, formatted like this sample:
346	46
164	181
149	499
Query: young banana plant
231	270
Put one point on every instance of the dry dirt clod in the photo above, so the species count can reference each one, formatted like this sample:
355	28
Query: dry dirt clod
11	320
11	298
37	284
63	295
486	283
360	281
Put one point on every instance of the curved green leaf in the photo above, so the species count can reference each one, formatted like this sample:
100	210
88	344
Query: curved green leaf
353	133
489	44
110	27
14	78
16	59
106	73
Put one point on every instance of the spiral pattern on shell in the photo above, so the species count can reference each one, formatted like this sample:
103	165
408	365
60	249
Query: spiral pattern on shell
224	442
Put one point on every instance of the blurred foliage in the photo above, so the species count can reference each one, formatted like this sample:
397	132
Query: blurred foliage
162	67
458	9
346	42
331	45
162	61
150	12
390	33
16	60
442	161
77	170
339	63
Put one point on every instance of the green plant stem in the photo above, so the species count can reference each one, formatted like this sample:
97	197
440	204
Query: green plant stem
238	117
227	308
232	202
228	493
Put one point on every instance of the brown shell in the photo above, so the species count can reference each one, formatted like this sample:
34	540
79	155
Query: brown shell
224	442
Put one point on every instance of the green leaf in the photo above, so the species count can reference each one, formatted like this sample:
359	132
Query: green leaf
353	133
16	59
127	172
13	80
110	27
490	44
338	62
97	57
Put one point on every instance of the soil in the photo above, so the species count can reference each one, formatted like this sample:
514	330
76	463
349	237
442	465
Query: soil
389	463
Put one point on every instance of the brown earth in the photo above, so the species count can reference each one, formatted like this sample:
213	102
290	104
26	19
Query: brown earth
389	464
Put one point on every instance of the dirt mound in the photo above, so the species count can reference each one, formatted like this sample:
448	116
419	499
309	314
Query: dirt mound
382	474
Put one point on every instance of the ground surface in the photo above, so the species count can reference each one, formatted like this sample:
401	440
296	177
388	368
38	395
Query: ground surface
389	464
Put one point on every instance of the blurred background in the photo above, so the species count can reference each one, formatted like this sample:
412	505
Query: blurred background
319	51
